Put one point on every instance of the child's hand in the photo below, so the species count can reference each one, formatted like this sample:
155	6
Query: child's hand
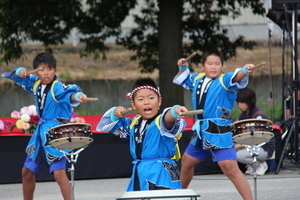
79	96
182	62
22	73
120	111
179	111
249	68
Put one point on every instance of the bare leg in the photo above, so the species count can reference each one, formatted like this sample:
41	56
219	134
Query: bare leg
231	169
28	183
188	164
63	182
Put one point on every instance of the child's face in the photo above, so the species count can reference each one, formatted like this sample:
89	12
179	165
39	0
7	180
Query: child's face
213	66
243	106
146	102
47	74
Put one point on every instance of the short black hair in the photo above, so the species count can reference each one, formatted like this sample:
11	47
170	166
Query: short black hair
44	58
214	52
248	96
144	82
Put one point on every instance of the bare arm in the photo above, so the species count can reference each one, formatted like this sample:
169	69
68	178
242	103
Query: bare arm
248	69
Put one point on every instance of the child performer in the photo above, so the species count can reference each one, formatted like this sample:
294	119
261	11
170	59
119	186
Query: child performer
214	93
54	101
152	137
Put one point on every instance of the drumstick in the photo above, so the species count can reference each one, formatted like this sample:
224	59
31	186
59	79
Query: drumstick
190	56
33	71
90	99
193	112
127	111
259	65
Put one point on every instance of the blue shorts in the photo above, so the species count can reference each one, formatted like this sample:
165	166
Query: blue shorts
34	167
217	154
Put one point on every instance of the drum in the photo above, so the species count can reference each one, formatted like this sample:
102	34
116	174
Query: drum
70	136
252	131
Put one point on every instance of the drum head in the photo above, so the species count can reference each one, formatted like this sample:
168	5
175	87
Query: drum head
70	126
70	142
258	137
251	122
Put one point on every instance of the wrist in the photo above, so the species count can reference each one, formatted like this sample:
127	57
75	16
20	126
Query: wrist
17	72
77	96
183	68
113	117
173	112
244	70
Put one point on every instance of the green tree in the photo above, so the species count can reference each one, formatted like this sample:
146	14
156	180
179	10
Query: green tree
157	40
51	21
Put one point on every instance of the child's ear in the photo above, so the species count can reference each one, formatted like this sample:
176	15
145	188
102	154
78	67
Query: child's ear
132	104
159	101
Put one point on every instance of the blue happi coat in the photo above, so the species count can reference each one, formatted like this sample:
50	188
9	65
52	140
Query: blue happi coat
56	110
152	162
213	128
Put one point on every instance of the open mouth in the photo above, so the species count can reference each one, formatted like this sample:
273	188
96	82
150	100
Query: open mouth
148	110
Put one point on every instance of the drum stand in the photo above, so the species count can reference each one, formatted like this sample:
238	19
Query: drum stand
254	152
72	159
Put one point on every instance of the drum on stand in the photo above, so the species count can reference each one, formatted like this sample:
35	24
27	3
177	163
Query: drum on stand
252	131
70	136
74	136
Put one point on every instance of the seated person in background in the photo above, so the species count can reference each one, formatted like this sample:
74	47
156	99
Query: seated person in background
246	101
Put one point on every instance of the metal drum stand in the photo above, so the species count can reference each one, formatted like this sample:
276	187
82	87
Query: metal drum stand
253	140
254	152
72	159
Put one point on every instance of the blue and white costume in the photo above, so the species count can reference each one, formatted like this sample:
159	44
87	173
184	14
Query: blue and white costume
217	99
152	146
54	107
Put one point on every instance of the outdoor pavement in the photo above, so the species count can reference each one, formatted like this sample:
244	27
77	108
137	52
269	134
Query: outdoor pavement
282	186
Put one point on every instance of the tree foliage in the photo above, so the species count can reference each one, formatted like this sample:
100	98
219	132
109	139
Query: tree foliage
158	41
51	21
200	26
